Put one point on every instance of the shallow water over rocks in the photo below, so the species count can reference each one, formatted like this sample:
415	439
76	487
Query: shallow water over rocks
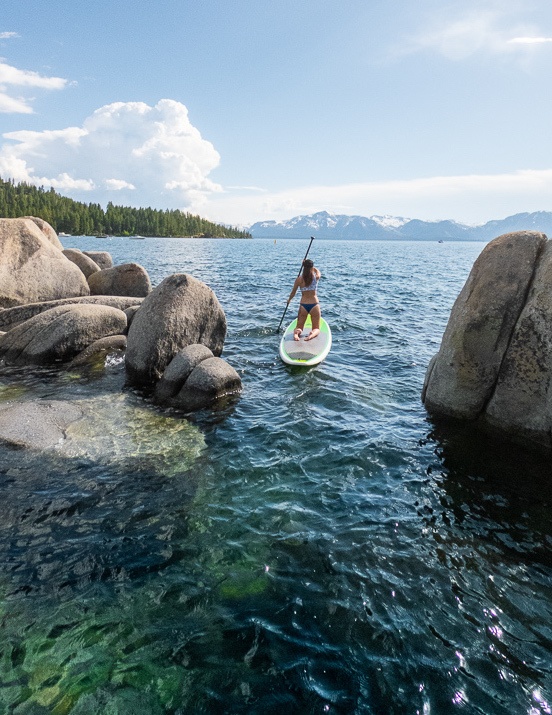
316	546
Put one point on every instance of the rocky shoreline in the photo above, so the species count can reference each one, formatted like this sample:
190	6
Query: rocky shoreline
67	308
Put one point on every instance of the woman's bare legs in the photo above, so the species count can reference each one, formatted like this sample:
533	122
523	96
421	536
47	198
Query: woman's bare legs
301	317
315	317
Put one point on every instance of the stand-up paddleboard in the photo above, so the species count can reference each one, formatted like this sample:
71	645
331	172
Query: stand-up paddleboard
305	352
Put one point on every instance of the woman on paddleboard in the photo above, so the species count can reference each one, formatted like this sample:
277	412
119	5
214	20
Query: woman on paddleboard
307	282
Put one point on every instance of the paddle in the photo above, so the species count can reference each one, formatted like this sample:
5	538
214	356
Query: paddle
287	304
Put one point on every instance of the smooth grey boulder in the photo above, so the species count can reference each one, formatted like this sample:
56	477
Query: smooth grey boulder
101	258
208	382
103	346
128	279
461	379
36	424
59	334
130	312
521	404
11	317
47	230
32	269
180	311
178	371
86	264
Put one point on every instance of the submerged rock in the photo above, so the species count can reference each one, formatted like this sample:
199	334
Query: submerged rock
494	366
37	424
114	429
119	430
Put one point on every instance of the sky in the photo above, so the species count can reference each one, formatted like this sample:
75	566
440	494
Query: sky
252	110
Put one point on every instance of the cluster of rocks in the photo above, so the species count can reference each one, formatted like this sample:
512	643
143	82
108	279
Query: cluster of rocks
494	365
65	306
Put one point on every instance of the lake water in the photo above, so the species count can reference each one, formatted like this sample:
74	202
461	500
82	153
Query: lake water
317	546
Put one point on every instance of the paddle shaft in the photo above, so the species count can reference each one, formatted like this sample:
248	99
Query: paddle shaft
287	304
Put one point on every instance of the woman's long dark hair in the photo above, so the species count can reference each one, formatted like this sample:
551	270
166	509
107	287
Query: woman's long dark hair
308	272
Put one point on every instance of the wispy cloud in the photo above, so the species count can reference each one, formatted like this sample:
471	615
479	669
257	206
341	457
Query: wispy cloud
488	30
14	77
8	35
529	40
257	189
149	156
26	78
13	105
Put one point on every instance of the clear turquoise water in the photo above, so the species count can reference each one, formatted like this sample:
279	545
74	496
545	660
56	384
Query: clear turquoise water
319	546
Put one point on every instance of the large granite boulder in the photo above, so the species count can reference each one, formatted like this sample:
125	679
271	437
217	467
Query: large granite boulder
32	269
521	402
11	317
126	279
178	371
101	258
180	311
84	262
130	312
211	380
57	335
463	375
47	230
494	366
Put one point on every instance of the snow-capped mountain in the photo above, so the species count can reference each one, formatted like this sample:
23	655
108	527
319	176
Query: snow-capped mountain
327	225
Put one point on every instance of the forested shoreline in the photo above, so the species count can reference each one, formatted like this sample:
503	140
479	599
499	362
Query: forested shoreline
80	219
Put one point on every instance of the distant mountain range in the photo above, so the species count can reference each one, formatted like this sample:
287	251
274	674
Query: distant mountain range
326	225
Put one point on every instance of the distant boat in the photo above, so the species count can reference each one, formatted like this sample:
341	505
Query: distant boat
136	236
440	241
64	235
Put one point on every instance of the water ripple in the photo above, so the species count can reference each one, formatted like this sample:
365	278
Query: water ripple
317	546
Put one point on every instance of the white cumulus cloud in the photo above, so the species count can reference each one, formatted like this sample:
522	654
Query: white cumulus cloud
118	185
149	156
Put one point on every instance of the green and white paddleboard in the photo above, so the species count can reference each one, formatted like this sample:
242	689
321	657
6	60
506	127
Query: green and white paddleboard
305	352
